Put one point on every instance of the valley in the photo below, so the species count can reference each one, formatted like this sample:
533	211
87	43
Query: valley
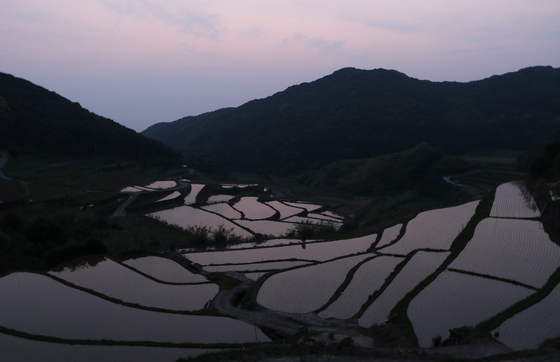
371	215
375	291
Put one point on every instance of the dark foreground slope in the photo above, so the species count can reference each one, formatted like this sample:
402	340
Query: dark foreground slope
357	114
35	120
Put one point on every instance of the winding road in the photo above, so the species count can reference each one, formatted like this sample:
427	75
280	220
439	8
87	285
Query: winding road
283	323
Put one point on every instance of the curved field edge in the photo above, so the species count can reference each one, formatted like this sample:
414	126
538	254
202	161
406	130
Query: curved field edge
368	278
169	258
417	267
342	287
206	312
494	322
154	278
306	290
109	342
385	284
487	276
399	313
390	236
254	267
112	279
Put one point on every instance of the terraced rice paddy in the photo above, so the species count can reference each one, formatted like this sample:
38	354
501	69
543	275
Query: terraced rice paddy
185	216
517	250
279	265
509	257
531	327
119	282
311	219
164	269
158	185
225	210
253	209
267	227
39	305
333	215
455	300
434	229
389	235
219	198
267	243
191	197
305	206
171	196
369	277
284	210
322	217
418	268
511	201
305	289
320	251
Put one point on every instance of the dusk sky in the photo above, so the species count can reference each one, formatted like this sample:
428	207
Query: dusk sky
140	62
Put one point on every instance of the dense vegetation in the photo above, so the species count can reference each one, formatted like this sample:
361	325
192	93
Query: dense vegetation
35	120
419	168
543	182
359	114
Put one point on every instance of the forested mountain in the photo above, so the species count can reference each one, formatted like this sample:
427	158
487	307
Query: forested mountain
35	120
419	168
359	114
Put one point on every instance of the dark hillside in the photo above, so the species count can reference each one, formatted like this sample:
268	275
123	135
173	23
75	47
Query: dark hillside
358	114
419	169
35	120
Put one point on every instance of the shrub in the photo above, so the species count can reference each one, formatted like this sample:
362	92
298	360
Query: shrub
308	229
436	341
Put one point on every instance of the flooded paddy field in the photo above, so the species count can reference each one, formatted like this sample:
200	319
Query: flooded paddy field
116	281
42	306
507	259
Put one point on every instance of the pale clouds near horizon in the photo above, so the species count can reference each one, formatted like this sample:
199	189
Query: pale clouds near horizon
145	61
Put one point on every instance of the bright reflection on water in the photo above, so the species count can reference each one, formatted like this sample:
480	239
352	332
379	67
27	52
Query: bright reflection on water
173	195
164	269
223	209
191	197
285	210
254	210
312	251
267	227
185	216
308	207
219	198
162	185
117	281
37	304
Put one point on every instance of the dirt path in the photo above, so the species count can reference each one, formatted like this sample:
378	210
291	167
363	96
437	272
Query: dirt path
281	322
121	210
